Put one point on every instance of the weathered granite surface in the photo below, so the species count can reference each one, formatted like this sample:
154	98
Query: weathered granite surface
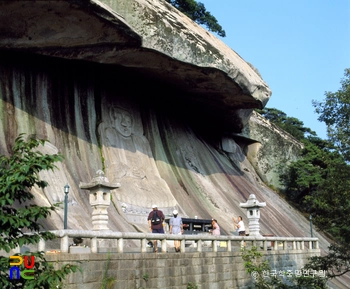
269	149
140	91
160	140
148	36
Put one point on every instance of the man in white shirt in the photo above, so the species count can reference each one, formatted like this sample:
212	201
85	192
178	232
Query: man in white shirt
239	225
240	228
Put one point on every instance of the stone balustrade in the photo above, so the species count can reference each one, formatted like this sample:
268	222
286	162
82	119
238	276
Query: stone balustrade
226	243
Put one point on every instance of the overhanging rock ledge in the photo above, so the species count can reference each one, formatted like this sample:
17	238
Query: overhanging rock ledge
149	37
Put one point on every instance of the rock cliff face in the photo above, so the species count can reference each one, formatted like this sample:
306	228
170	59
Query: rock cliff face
140	91
269	149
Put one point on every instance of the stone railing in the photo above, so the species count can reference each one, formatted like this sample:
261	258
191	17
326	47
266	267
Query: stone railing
225	242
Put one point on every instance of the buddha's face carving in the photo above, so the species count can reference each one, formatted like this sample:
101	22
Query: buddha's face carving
122	121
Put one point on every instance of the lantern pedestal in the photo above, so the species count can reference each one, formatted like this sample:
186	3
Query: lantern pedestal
100	199
253	214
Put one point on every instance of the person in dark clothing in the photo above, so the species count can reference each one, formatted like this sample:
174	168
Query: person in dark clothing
155	223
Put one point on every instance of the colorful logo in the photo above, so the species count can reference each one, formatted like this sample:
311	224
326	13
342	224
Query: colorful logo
28	273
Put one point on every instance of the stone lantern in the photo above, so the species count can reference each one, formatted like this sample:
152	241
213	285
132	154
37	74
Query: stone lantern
100	199
253	214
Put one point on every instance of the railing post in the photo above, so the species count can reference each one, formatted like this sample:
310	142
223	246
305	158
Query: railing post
163	244
182	246
317	245
64	244
143	245
93	244
243	242
199	245
302	245
214	245
284	245
265	245
275	245
41	245
229	246
294	245
120	245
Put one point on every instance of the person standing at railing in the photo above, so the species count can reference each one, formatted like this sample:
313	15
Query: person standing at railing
155	223
175	227
239	225
216	228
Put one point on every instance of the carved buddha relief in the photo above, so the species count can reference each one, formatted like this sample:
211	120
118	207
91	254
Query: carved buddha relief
129	161
119	135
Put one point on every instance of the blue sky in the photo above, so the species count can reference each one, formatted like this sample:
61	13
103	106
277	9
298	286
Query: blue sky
300	48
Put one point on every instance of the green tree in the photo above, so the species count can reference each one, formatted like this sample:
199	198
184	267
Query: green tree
198	13
325	187
330	202
320	184
335	263
303	177
334	111
291	125
20	216
320	181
